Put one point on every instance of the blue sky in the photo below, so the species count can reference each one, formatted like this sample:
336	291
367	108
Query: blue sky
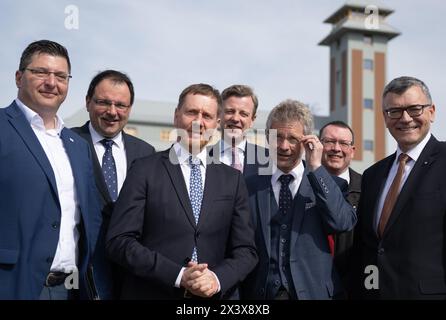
166	45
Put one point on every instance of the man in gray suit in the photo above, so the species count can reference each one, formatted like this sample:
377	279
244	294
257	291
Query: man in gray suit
294	210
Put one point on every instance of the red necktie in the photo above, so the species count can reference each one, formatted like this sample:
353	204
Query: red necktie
392	194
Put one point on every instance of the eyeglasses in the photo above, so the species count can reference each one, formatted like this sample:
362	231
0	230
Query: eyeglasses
345	145
413	111
42	73
106	104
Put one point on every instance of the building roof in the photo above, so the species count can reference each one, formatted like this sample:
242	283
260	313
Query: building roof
352	18
356	5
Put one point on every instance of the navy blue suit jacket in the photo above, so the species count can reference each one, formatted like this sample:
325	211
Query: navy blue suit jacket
30	210
320	209
153	230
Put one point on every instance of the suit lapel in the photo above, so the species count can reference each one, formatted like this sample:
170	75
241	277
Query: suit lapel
97	168
130	150
265	197
427	157
176	176
304	196
23	128
209	192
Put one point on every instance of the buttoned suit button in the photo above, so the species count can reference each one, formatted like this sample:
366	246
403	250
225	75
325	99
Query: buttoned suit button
381	251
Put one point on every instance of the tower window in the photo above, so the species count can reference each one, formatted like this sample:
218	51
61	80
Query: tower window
368	145
368	39
368	64
368	104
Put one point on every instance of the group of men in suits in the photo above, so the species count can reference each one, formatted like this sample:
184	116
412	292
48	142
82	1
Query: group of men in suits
94	213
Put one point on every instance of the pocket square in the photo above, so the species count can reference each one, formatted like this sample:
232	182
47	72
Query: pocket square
309	205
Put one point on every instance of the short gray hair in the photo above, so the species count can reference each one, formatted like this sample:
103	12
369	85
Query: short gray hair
402	84
290	111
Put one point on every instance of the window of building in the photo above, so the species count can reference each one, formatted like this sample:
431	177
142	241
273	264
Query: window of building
338	76
368	104
368	39
368	64
368	145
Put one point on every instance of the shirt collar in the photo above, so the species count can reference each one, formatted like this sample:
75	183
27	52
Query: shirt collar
97	138
297	172
36	120
225	146
415	152
345	175
183	154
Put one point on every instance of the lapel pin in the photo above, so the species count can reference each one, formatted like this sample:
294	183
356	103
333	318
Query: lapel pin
71	139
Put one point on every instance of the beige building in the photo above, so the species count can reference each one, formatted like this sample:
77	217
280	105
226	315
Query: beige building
152	121
358	49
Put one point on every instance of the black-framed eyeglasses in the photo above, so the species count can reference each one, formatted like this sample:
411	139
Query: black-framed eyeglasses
43	73
104	103
345	145
413	111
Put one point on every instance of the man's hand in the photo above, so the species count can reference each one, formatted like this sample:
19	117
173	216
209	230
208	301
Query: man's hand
313	151
199	280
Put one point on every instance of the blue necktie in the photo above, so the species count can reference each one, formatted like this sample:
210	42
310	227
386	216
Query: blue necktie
196	193
285	197
109	169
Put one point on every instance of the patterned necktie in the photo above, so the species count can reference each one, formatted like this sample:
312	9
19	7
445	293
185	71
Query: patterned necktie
235	159
109	169
196	194
285	197
392	194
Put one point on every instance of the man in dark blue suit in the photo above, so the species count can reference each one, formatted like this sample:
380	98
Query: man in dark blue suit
109	101
293	210
238	115
49	207
400	244
181	226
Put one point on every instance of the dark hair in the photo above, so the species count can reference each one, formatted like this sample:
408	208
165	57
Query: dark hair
240	91
401	84
43	46
202	89
340	124
116	77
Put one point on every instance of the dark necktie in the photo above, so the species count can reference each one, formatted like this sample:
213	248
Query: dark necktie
235	159
109	169
195	194
392	194
285	196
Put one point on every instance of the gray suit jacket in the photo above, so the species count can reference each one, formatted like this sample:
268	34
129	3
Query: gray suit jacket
320	209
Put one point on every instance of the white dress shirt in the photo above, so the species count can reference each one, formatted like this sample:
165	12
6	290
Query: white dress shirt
294	185
65	259
345	175
226	152
118	150
414	154
183	160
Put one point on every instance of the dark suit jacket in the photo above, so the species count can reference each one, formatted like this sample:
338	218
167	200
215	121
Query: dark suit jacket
256	158
153	231
320	209
343	241
411	256
135	148
30	210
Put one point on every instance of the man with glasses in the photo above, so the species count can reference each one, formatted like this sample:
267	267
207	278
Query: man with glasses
294	210
109	101
49	205
402	209
338	141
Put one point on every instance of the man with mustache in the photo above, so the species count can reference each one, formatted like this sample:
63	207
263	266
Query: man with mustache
239	112
109	101
294	210
401	234
339	149
181	226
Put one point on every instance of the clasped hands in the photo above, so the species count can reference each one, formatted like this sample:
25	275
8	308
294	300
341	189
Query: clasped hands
199	280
